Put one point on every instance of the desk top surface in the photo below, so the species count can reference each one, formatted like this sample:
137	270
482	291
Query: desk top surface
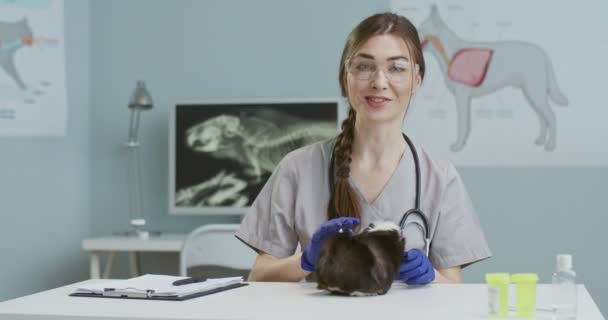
165	242
284	301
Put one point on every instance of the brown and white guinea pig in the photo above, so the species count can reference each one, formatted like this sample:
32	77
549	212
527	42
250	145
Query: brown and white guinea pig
361	265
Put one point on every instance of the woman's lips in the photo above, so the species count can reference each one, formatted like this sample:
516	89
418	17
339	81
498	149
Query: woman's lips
376	102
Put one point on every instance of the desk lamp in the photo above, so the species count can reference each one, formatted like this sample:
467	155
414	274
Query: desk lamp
140	101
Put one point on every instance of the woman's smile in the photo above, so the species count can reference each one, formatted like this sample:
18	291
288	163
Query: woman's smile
376	102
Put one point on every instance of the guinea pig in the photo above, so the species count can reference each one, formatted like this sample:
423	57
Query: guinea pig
361	265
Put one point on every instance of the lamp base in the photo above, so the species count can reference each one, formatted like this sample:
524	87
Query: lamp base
141	234
138	228
138	232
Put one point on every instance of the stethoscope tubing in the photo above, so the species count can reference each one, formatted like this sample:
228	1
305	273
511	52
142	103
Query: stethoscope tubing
416	210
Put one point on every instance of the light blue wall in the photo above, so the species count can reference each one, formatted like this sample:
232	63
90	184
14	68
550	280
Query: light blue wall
229	48
279	48
44	185
201	49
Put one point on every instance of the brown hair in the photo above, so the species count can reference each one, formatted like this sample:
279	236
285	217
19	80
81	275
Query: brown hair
344	201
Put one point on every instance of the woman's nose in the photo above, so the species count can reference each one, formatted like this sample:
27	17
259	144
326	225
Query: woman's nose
379	79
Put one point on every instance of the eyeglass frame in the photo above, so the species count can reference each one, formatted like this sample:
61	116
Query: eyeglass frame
384	70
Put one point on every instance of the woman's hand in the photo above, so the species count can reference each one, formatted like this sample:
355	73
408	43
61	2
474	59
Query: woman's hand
325	231
416	268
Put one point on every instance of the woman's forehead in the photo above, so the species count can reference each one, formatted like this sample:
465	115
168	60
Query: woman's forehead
384	47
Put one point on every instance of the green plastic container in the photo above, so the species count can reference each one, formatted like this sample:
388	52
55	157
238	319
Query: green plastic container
525	294
498	294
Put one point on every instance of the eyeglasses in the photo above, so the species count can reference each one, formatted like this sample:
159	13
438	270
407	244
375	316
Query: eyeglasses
397	71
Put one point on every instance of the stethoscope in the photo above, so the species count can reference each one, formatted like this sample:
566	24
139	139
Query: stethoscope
410	213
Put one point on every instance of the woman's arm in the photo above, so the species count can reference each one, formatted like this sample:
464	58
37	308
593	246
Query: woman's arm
270	268
448	275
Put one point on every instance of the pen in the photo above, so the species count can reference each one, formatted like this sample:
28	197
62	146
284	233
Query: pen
189	280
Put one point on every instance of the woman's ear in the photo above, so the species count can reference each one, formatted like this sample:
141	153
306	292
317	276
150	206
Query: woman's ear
417	80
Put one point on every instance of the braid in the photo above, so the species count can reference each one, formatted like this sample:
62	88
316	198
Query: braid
344	202
344	145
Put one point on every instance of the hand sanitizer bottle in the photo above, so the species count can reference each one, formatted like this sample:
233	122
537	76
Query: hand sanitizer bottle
564	289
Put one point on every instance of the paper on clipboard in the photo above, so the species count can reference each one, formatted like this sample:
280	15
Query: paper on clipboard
151	285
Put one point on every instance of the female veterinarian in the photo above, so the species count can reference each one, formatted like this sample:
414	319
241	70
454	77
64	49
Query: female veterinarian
371	171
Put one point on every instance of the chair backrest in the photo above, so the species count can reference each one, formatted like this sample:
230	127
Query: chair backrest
215	245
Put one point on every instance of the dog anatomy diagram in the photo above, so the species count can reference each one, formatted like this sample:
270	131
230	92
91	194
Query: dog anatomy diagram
476	69
32	68
500	85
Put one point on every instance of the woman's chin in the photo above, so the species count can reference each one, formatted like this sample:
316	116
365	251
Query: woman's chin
380	114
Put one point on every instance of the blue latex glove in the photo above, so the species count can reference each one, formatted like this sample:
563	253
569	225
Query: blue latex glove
325	231
416	268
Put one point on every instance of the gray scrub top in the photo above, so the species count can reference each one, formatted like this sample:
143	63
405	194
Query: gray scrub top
293	204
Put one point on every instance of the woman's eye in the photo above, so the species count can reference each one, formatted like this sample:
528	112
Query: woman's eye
397	69
364	67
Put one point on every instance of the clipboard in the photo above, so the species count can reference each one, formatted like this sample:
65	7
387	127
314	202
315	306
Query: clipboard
149	296
158	287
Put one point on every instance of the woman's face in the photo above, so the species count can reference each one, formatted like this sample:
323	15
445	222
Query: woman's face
380	79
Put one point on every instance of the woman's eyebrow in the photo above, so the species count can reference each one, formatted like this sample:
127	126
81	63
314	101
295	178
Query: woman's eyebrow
398	58
364	55
393	58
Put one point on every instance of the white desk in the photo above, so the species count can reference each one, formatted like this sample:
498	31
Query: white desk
281	301
131	245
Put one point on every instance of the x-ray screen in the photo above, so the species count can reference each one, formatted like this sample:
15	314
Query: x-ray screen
222	152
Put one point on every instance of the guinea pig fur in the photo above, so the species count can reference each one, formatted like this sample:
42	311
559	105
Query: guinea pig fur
361	265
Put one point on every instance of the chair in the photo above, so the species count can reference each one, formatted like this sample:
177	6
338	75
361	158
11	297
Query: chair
213	251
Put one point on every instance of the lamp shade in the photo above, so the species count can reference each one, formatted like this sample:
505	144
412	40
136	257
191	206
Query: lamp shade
140	99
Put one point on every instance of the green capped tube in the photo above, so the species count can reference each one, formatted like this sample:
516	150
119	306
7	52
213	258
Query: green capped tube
498	294
525	294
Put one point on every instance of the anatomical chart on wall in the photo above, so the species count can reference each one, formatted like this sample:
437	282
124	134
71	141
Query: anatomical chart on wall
511	83
32	68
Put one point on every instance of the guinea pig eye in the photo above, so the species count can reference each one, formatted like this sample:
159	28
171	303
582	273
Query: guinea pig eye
372	225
